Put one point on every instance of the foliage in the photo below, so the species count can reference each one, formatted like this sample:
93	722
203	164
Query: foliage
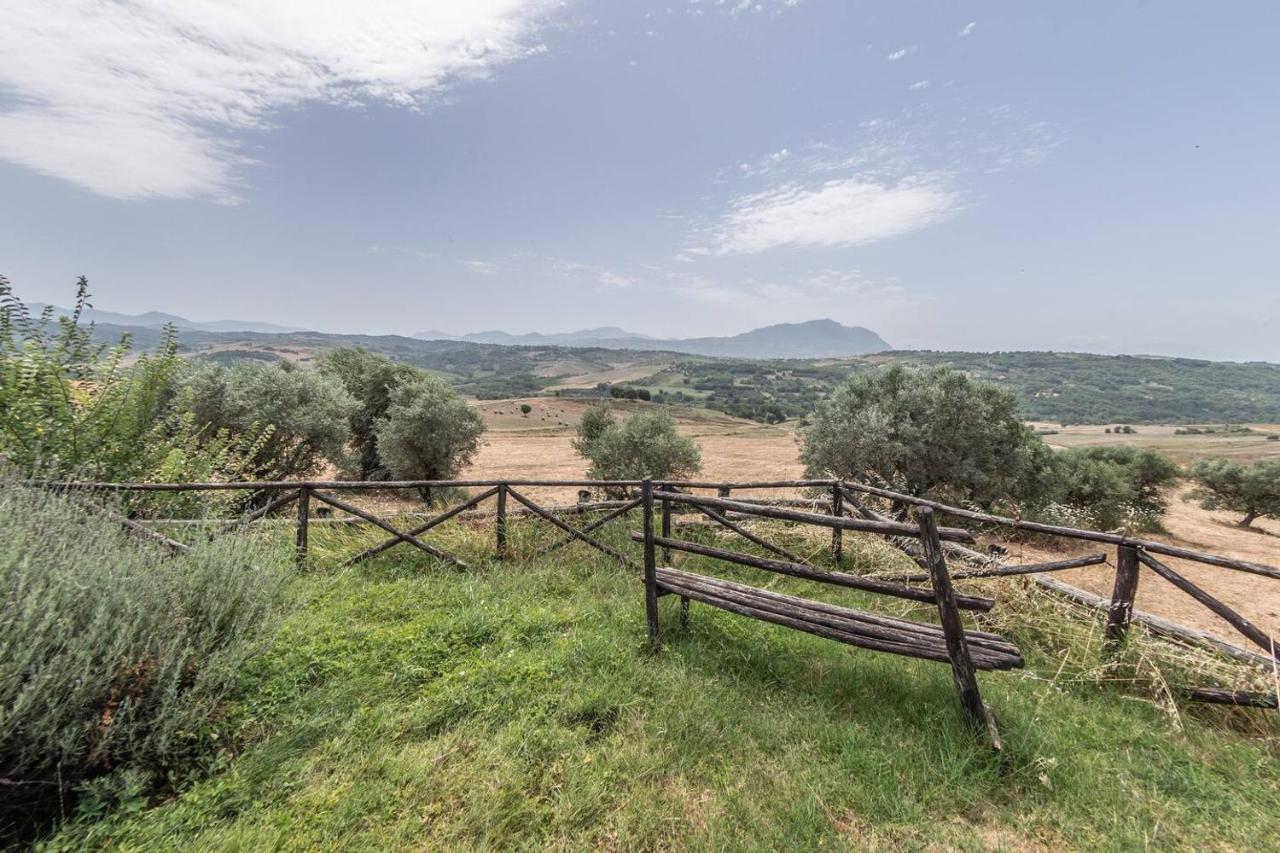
429	432
525	409
369	378
71	407
936	432
114	656
1115	482
643	445
621	392
308	413
1253	490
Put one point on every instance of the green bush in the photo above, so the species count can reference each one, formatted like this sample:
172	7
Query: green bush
644	445
114	657
937	433
302	417
369	378
71	408
429	432
1253	490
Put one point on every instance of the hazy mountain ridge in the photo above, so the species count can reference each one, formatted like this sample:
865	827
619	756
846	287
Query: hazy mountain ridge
812	339
157	319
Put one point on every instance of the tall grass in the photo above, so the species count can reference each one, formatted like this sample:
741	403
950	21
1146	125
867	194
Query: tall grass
114	656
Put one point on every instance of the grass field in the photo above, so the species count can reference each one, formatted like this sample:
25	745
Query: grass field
518	706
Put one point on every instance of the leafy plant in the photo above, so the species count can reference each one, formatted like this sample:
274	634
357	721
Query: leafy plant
302	417
428	433
370	378
114	656
935	432
643	445
1252	490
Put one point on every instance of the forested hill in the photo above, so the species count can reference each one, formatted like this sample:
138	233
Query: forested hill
1058	387
1083	388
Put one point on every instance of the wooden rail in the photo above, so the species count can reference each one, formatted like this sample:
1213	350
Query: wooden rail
829	509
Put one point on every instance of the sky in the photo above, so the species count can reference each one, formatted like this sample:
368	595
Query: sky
1091	176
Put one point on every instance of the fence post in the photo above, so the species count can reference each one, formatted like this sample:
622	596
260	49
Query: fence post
837	535
666	528
962	669
500	523
650	562
303	523
1122	594
723	493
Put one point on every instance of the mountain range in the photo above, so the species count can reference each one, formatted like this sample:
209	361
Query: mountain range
813	339
157	319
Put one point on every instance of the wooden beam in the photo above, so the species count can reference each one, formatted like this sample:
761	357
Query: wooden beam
962	669
866	584
599	522
577	534
402	536
1006	571
820	519
1231	617
424	527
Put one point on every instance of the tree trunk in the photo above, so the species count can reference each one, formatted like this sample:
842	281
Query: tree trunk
1248	518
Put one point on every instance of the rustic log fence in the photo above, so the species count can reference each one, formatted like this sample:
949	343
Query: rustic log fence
838	505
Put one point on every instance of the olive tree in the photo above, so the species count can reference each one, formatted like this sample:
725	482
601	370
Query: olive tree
936	432
1253	490
428	432
369	378
306	413
643	445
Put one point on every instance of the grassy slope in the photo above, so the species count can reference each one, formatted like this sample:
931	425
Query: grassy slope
517	706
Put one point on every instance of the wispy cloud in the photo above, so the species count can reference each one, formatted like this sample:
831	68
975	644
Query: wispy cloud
137	99
483	267
919	85
848	212
967	28
900	53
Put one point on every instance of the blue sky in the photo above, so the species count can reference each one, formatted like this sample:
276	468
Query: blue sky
1077	176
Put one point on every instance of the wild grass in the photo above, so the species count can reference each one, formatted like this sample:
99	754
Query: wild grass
518	705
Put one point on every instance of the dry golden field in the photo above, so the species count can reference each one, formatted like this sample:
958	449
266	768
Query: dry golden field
537	446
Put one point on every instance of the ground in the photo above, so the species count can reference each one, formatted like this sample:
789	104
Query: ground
538	447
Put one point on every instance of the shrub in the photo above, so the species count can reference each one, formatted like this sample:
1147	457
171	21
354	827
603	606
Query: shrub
308	413
114	657
429	432
369	378
70	407
936	432
644	445
525	409
1252	490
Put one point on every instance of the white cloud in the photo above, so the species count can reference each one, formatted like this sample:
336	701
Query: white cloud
613	279
899	54
847	212
143	98
483	267
919	85
967	28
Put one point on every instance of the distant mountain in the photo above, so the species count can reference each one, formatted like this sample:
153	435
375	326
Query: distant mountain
814	339
582	337
156	319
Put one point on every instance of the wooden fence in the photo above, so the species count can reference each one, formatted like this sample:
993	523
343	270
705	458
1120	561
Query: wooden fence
839	506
